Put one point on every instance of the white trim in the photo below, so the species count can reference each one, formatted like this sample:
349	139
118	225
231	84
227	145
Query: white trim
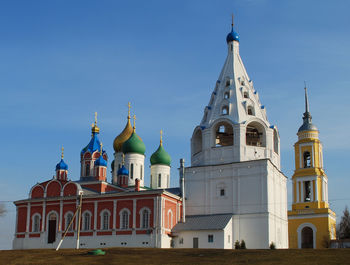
83	221
314	230
141	217
170	221
121	218
66	223
47	185
32	228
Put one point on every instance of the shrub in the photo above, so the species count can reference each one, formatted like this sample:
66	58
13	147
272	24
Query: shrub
272	245
243	246
237	245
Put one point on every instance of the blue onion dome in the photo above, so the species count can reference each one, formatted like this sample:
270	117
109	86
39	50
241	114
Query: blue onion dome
62	165
123	171
101	162
134	145
232	36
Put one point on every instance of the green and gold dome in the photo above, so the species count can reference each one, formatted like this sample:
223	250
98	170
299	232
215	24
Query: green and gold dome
123	136
160	157
134	144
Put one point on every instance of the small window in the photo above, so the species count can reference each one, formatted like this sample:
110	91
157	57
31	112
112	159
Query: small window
141	172
105	221
125	220
68	220
86	222
224	110
250	110
181	241
36	223
159	180
245	95
307	159
145	218
228	82
227	95
222	192
307	194
210	238
132	171
87	169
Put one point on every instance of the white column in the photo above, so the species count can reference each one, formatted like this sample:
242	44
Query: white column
134	215
95	217
28	217
114	213
16	230
61	212
43	217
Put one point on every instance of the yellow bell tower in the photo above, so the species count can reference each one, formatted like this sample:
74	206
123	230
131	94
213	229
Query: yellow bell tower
311	224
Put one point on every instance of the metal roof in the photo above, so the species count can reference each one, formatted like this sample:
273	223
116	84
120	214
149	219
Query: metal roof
204	222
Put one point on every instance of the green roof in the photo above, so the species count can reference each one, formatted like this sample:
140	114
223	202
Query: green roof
134	145
160	157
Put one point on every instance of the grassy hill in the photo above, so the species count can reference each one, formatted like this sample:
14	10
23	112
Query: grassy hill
177	256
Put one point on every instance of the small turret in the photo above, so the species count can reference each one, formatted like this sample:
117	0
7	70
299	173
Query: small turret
122	179
100	167
160	167
62	169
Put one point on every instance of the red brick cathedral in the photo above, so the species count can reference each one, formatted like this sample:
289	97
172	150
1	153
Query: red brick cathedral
121	213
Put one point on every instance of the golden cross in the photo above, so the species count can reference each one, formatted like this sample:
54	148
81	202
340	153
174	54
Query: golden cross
129	106
62	154
101	148
95	118
134	122
161	137
123	161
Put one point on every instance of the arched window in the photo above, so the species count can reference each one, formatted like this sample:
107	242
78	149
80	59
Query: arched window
151	181
168	181
87	169
36	223
223	134
105	220
228	82
170	219
69	218
245	95
145	217
227	95
275	141
307	191
159	180
124	220
225	110
132	171
86	221
197	141
254	135
141	171
307	159
250	110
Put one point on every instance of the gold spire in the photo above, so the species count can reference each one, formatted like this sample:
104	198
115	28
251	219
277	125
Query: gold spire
123	161
161	137
129	106
134	127
62	152
94	126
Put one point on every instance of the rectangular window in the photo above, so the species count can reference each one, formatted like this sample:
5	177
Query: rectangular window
228	239
159	180
132	171
141	172
210	238
307	191
222	192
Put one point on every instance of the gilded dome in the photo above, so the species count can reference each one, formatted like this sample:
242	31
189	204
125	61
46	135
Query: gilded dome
122	137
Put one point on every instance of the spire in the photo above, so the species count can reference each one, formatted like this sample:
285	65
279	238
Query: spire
134	126
129	106
123	159
307	118
161	137
306	99
94	126
62	153
232	22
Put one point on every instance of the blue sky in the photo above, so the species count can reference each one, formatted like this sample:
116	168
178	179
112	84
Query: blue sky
60	61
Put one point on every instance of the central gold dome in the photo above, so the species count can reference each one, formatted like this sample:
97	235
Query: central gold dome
122	137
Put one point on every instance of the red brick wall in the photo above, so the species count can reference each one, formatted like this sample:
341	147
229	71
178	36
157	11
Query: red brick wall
70	190
22	219
37	192
128	204
53	189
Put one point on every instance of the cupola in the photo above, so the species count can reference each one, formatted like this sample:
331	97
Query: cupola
232	36
62	169
134	144
124	135
307	118
160	156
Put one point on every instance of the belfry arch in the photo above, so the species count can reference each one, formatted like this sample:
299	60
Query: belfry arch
223	132
255	134
197	140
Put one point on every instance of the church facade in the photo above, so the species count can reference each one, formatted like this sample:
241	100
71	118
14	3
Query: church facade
233	190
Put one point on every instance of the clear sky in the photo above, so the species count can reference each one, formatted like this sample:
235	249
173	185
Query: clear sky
60	61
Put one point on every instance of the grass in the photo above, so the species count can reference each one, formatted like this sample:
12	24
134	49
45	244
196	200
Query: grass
177	256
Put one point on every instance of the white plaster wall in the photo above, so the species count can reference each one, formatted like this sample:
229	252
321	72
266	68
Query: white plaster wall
165	180
138	161
187	236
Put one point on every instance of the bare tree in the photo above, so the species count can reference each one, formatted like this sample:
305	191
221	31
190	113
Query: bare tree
2	210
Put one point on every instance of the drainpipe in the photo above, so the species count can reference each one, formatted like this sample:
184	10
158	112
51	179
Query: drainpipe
182	187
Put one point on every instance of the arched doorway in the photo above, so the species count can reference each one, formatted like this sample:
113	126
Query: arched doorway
52	222
307	237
